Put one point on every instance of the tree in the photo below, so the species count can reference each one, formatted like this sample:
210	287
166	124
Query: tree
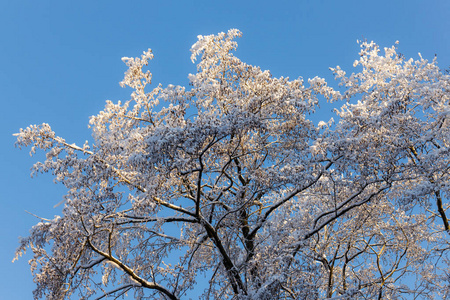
232	180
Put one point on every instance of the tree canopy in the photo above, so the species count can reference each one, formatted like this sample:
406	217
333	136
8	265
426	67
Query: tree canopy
234	188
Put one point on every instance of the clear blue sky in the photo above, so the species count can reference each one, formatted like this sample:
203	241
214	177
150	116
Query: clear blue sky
60	61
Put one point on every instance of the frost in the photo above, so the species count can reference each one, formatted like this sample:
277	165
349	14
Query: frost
322	124
230	180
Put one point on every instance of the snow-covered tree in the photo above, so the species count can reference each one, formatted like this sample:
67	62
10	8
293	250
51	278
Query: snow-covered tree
228	186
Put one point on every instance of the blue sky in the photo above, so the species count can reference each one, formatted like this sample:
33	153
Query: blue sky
60	61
